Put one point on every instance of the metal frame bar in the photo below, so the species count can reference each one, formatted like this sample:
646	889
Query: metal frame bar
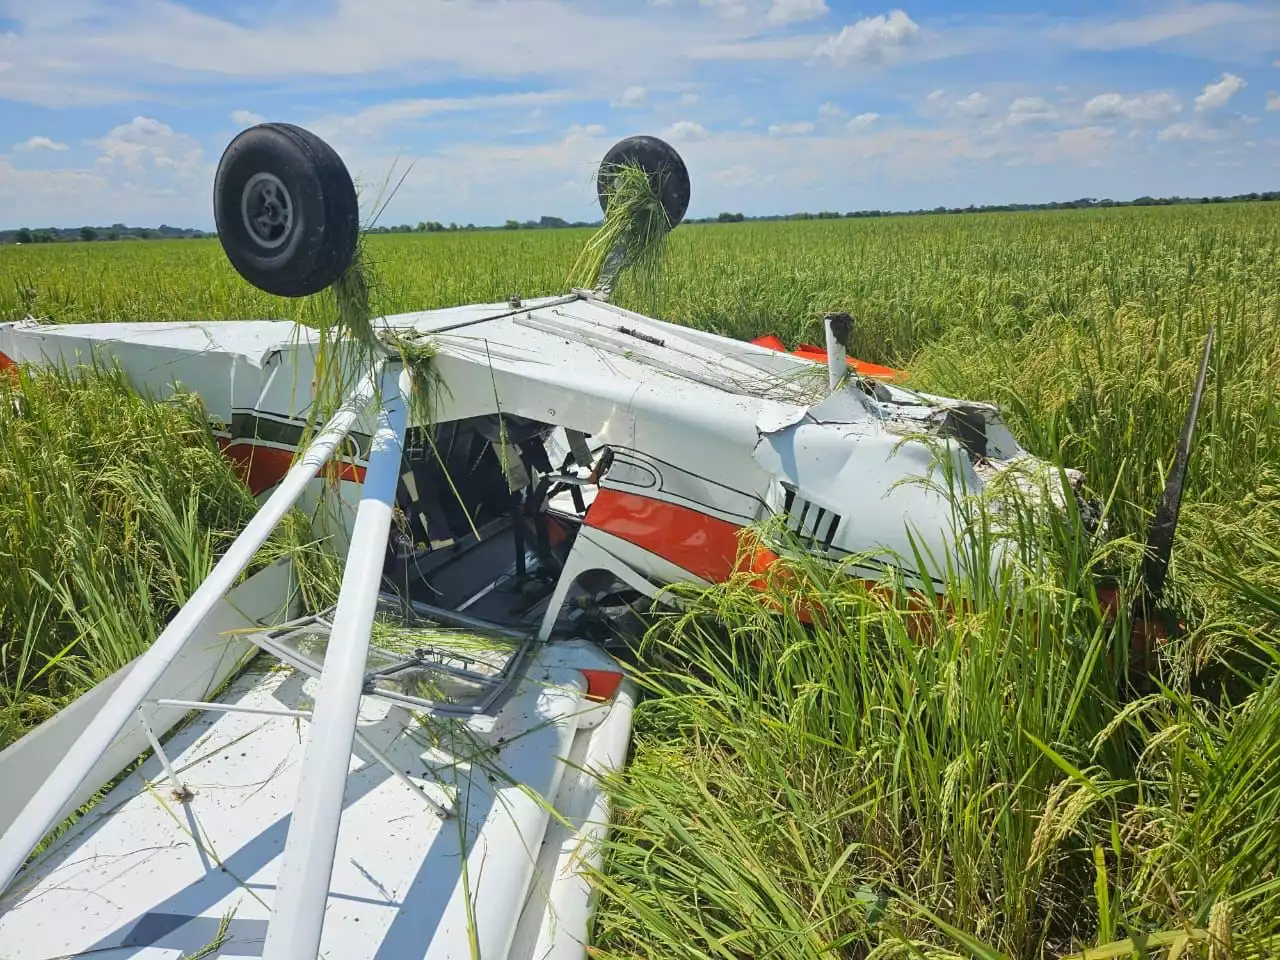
498	683
307	867
267	643
456	619
232	708
614	261
462	324
440	809
179	788
46	808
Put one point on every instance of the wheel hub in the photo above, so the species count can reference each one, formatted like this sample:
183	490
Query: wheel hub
267	210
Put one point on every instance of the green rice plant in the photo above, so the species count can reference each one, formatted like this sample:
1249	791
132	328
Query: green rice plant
632	237
830	768
1109	398
347	344
906	281
114	509
967	779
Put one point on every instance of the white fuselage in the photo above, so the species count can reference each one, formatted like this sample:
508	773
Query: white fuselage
708	435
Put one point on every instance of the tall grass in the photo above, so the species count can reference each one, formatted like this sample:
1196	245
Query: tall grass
632	239
1108	394
906	281
114	509
857	786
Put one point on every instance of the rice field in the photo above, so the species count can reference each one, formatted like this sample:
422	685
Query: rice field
853	789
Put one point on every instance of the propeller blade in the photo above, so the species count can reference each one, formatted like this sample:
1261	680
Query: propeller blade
1155	566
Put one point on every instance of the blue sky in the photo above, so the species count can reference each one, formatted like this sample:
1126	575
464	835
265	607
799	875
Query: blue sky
117	110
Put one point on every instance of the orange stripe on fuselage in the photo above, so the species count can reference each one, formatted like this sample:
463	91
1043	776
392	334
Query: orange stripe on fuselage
261	468
704	545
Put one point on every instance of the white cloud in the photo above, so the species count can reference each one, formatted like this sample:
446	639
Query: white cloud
1184	131
726	8
373	120
46	196
689	99
579	132
1209	122
1026	110
830	111
790	129
685	131
1199	129
796	47
1273	101
1216	95
167	42
862	121
1178	23
1139	108
146	173
632	97
145	142
735	176
40	143
940	104
58	92
748	122
871	40
974	105
793	11
1080	145
246	118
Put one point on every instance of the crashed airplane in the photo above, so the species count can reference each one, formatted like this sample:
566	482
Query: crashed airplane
420	777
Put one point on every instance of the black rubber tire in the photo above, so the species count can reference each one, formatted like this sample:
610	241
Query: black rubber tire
317	240
657	158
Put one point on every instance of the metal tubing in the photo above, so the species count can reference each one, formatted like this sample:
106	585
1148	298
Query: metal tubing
837	357
233	708
451	618
279	651
612	269
378	755
462	324
307	868
439	809
46	808
179	788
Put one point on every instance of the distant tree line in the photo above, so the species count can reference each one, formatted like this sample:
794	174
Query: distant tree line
1084	203
118	231
435	226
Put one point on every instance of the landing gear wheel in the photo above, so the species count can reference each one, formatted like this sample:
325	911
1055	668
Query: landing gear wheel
286	210
660	161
